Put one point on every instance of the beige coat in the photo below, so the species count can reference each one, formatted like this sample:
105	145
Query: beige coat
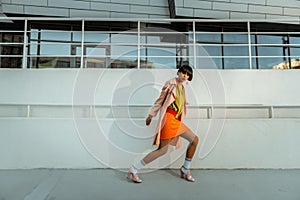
167	96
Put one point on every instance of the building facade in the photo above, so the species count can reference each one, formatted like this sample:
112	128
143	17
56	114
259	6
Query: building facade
78	77
257	34
208	9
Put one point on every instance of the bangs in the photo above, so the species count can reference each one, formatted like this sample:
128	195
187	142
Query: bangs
186	69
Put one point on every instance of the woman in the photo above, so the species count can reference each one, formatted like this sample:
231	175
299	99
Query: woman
170	128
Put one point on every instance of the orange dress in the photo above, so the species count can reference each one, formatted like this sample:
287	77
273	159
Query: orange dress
172	127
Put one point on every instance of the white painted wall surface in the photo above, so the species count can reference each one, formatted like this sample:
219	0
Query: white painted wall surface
53	135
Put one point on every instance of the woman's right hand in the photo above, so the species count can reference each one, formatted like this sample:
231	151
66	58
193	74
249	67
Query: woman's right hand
148	120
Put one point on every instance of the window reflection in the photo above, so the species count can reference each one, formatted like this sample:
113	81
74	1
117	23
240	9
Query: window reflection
93	37
236	51
55	35
124	38
158	63
270	39
236	63
295	46
268	63
11	49
236	38
295	52
115	45
164	48
52	49
121	50
271	50
210	50
208	37
53	62
209	57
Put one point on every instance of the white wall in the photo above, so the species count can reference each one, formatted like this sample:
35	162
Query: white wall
50	133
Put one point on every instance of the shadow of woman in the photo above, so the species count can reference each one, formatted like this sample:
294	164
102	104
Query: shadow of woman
132	96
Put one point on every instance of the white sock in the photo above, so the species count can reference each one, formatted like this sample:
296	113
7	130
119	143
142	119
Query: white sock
187	165
136	166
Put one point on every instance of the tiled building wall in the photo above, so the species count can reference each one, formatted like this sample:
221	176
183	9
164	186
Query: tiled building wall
239	9
223	9
89	8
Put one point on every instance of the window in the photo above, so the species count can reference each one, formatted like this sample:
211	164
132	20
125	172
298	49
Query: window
163	45
54	45
11	44
236	51
222	46
11	49
271	50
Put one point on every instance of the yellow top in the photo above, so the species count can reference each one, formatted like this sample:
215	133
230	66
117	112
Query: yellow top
177	105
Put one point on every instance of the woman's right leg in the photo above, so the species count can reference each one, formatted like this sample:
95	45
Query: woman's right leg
161	150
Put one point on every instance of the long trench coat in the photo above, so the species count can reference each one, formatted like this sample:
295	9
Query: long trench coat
167	96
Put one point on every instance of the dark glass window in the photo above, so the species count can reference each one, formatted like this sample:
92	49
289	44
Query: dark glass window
271	50
11	44
236	51
11	49
218	45
53	44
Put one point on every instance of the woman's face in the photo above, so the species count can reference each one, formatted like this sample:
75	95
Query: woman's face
182	77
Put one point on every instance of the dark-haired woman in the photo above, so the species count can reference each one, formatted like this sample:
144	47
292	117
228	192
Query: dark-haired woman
170	127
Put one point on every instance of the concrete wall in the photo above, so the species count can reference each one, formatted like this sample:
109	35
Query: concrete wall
59	128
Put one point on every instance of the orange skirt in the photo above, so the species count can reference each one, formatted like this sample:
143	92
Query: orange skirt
172	127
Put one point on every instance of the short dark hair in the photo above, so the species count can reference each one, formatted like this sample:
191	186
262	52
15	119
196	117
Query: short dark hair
186	69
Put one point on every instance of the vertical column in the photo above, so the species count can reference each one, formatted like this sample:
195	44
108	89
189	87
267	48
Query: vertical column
139	45
249	44
194	44
82	44
28	111
24	60
271	112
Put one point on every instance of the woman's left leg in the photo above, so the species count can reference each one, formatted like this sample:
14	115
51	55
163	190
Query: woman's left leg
193	139
185	169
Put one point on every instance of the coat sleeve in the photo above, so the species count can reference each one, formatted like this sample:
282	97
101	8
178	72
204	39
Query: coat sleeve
160	101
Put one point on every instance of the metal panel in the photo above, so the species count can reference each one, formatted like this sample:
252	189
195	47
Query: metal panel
266	9
88	13
110	7
31	2
10	8
34	10
149	10
212	14
261	2
197	4
230	6
69	4
139	2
